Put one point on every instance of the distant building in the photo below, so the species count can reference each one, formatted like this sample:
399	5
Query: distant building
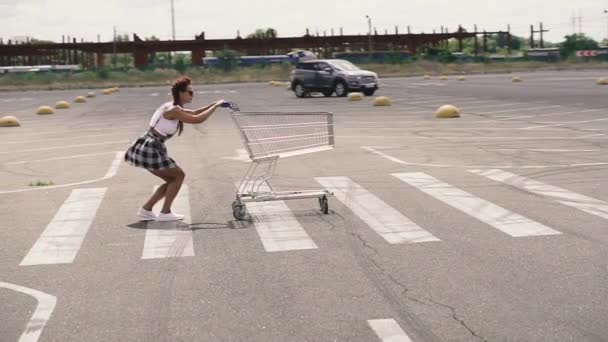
545	54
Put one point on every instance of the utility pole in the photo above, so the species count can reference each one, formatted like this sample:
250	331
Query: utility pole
369	34
541	31
114	49
509	39
542	42
573	22
580	21
172	20
476	41
531	36
606	13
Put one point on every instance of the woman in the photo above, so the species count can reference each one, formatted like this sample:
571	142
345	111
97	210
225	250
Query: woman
150	153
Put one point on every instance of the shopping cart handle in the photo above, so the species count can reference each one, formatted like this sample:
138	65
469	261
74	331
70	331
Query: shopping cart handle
229	104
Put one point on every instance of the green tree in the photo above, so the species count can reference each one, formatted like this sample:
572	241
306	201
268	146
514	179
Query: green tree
122	37
180	63
502	41
228	59
575	42
125	60
263	34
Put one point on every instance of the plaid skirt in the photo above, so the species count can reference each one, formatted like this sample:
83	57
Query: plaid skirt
149	152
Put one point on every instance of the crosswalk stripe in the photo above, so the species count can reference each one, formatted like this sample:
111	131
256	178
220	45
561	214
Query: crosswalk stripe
388	330
171	239
561	195
278	228
62	238
394	227
497	217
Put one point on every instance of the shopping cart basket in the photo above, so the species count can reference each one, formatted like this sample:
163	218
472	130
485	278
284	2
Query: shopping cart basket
270	136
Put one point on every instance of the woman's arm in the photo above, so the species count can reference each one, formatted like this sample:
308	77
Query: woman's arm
189	117
200	110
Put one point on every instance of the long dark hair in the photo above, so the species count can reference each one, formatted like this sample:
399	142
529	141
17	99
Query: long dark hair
181	84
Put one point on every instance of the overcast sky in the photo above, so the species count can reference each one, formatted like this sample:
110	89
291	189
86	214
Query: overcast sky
50	19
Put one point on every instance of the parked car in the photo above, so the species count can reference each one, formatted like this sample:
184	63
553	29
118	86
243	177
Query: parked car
328	76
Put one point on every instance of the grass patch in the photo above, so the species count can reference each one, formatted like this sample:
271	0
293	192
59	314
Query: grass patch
105	78
41	183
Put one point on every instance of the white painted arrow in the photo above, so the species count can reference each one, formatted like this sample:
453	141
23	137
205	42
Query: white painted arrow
241	155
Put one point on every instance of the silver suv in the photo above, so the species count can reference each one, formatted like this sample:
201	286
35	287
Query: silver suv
331	75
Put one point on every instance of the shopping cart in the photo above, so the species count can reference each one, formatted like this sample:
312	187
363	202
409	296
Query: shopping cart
270	136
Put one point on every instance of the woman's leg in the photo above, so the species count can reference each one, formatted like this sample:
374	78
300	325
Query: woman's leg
158	194
174	178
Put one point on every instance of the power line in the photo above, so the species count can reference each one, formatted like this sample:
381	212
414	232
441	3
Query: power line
573	22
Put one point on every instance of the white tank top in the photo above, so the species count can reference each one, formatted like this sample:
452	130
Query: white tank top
160	124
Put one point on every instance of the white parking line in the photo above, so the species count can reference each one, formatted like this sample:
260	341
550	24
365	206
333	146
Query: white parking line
504	220
516	109
375	150
389	223
537	150
17	99
202	92
428	102
563	196
388	330
61	158
42	314
63	138
111	173
67	146
559	79
79	130
564	123
548	114
171	239
62	238
493	106
417	97
593	136
441	129
241	155
465	104
492	149
429	84
124	122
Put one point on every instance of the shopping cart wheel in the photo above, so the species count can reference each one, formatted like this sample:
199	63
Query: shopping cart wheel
324	204
239	210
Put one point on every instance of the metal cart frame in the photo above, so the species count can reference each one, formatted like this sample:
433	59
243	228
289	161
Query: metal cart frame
268	136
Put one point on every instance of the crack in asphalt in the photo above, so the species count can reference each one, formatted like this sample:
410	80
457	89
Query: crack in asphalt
405	289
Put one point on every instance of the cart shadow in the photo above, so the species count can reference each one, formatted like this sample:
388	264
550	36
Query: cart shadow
151	225
247	222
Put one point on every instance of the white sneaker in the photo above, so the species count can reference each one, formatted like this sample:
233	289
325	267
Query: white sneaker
169	217
146	215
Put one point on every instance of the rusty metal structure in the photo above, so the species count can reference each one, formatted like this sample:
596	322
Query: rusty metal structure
92	55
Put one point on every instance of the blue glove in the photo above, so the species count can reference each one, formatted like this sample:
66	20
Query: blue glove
229	104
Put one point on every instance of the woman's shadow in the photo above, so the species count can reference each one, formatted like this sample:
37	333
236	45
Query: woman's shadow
180	225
